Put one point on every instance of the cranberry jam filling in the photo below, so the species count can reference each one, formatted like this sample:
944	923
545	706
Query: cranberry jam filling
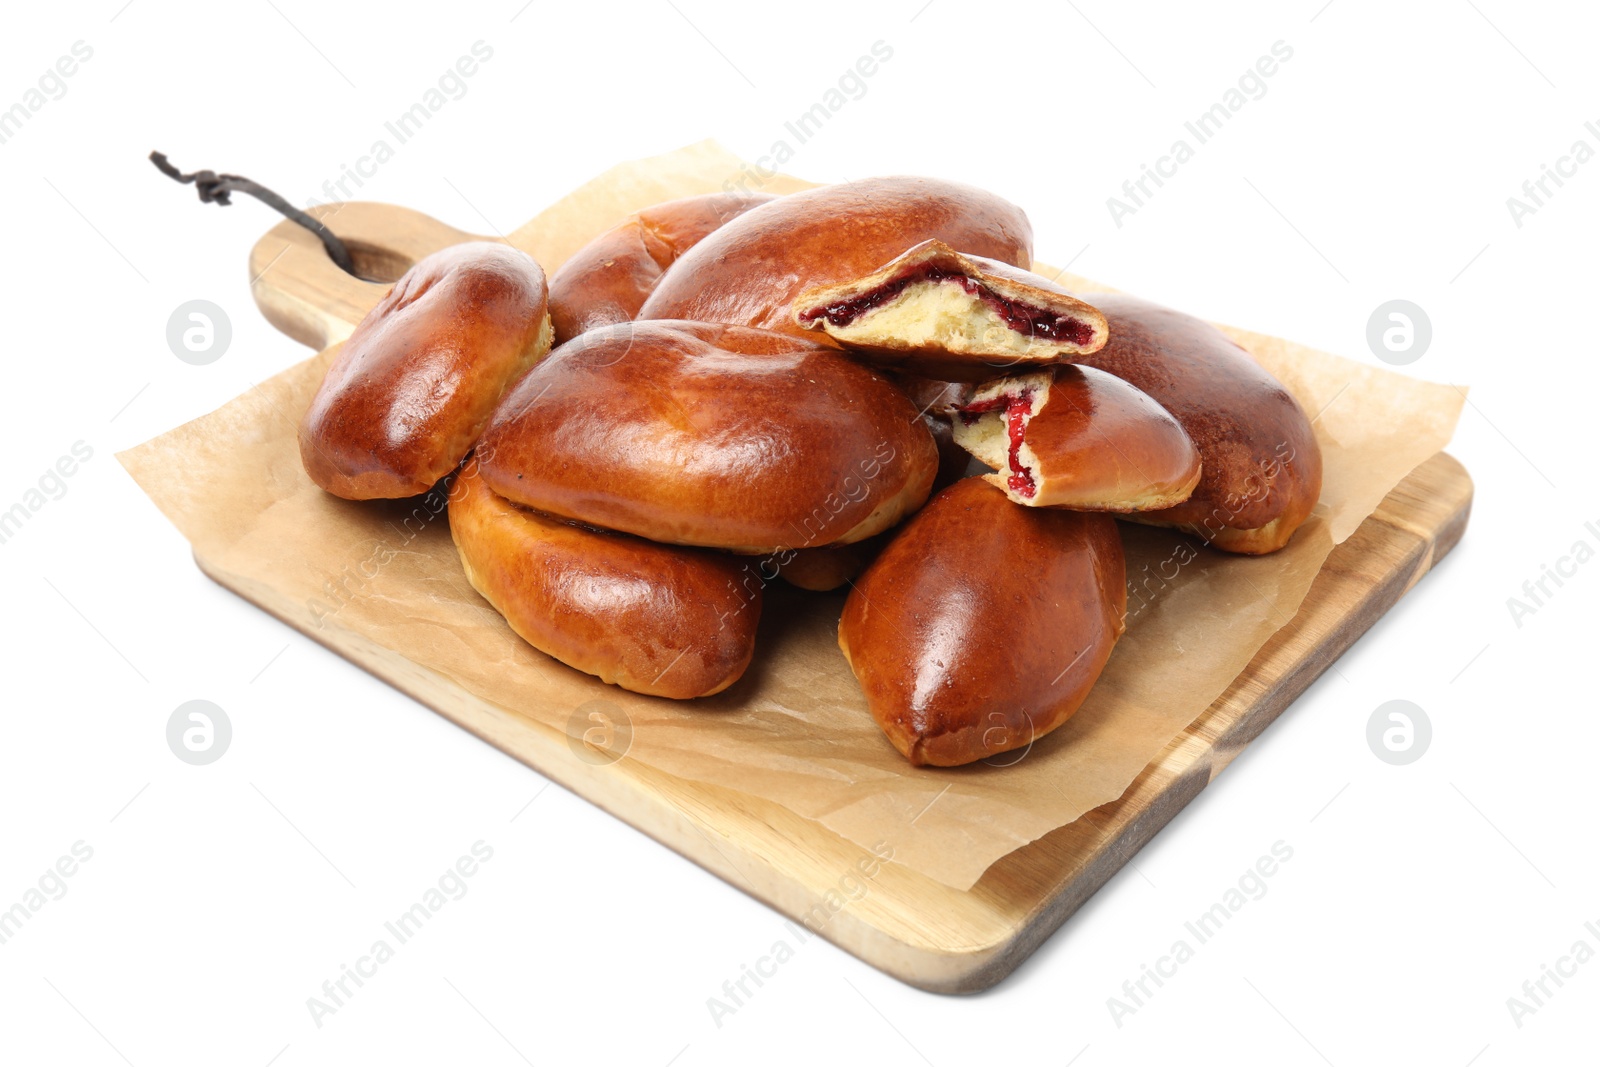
1016	407
1022	317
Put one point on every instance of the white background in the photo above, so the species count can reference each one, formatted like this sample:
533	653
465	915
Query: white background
1377	166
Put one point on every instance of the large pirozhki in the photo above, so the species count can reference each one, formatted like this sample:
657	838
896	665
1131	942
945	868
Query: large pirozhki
749	272
696	433
1261	466
655	619
983	625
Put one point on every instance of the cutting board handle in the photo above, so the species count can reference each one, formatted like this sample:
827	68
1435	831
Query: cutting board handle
300	290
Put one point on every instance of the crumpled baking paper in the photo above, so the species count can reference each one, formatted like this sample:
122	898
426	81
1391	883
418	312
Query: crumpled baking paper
795	730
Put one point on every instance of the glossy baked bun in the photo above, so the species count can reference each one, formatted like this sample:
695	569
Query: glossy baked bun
1075	437
749	272
1261	467
934	311
607	280
983	625
821	570
701	434
413	386
659	620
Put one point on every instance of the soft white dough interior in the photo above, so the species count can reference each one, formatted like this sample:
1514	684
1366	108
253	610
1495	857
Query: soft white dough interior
986	438
938	314
989	436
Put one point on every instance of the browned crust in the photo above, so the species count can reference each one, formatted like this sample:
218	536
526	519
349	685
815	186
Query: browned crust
1095	443
608	280
748	272
703	434
658	620
414	385
1257	542
982	626
1262	466
821	570
963	357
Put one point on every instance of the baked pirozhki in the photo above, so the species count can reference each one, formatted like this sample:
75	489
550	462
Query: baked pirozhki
654	619
983	625
607	280
415	383
1261	467
822	570
702	434
749	272
1076	437
938	312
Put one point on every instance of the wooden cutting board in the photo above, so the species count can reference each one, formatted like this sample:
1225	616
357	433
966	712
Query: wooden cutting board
923	932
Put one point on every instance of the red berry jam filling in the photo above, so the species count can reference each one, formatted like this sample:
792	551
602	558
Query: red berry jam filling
1017	408
1021	317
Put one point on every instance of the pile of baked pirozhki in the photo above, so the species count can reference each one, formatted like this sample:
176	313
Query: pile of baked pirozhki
860	385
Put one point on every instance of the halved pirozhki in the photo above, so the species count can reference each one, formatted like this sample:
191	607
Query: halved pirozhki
938	312
949	315
1075	437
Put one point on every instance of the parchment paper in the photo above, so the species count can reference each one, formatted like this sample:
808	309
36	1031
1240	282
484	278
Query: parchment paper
795	729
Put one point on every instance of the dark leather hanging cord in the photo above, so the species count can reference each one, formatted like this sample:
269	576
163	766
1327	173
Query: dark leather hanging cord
215	188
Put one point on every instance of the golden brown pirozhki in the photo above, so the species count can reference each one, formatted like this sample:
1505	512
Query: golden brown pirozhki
607	280
413	386
934	311
655	619
749	271
983	625
1261	465
820	570
1075	437
701	434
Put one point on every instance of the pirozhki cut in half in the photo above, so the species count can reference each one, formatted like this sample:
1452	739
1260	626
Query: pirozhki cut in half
749	271
938	312
1075	437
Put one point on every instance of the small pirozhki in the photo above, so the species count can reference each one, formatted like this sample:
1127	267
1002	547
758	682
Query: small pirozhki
1075	437
821	570
413	386
938	312
608	280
